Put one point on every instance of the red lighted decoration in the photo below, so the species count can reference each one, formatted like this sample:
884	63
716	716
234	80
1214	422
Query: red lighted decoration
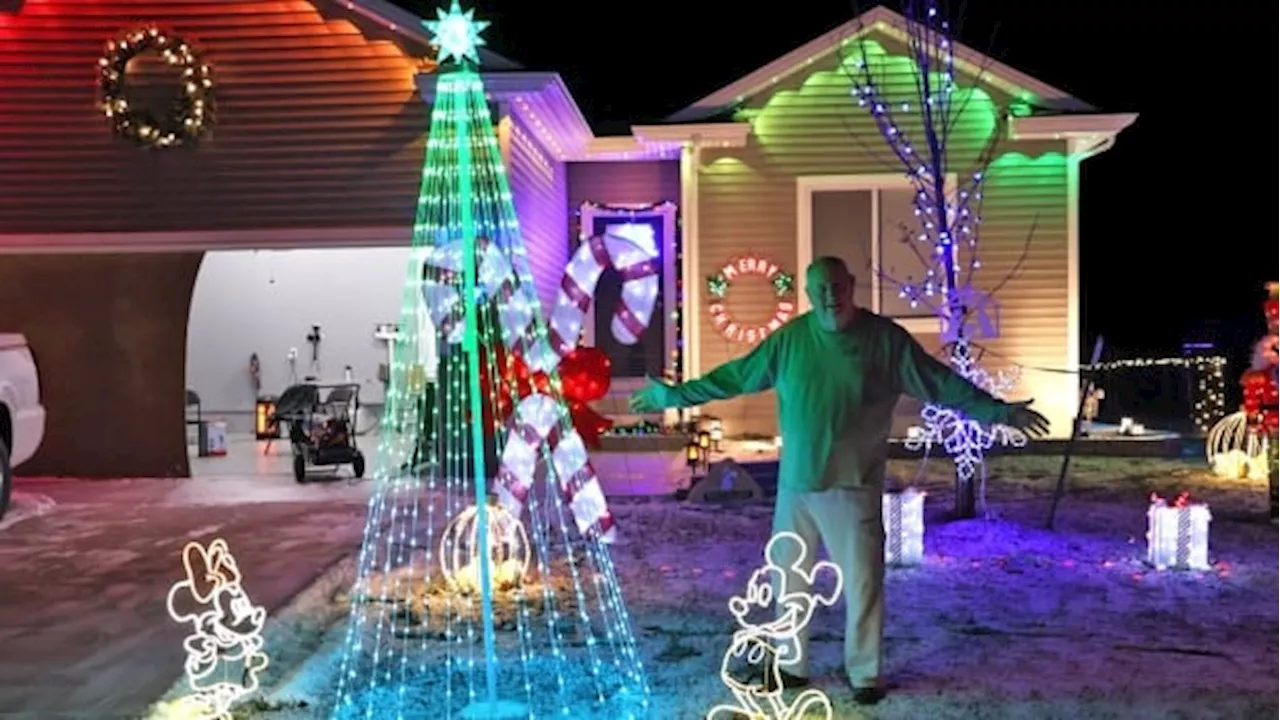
1261	389
584	378
1260	401
740	330
1271	308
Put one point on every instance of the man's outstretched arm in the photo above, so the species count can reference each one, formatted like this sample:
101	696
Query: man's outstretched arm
753	372
923	377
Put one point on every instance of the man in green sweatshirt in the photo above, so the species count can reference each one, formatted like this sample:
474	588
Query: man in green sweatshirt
838	372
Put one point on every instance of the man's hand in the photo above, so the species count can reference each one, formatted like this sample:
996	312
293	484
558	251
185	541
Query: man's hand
654	397
1022	417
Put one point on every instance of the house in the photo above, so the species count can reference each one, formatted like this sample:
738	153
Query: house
314	139
799	170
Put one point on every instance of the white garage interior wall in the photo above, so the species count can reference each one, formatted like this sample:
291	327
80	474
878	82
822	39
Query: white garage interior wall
265	302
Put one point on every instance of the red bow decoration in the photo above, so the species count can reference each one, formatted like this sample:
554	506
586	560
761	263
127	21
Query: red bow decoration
584	378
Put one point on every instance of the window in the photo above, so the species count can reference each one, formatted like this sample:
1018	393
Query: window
869	222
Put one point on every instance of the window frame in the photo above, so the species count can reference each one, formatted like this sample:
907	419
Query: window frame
807	185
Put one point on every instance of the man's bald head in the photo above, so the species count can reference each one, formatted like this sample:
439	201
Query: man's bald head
830	264
829	285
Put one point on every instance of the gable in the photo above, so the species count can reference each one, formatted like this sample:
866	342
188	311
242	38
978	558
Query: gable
885	28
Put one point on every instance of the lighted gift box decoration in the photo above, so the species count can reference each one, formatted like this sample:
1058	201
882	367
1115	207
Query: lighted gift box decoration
904	527
1235	453
508	550
1178	534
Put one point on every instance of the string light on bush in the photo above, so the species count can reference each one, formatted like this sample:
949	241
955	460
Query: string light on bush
413	647
1210	402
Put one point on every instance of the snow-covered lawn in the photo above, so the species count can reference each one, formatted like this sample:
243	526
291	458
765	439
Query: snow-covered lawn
1004	619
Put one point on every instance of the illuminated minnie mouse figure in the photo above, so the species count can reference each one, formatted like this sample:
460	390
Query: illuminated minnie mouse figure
1261	398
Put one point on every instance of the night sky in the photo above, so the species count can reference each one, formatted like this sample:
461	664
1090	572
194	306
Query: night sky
1164	253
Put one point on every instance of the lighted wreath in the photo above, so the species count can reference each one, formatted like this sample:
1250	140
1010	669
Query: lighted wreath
191	109
718	286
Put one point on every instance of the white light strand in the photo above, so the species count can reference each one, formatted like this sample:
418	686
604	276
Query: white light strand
772	644
903	517
1233	451
966	440
508	550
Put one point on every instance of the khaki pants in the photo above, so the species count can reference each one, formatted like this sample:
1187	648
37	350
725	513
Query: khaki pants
848	523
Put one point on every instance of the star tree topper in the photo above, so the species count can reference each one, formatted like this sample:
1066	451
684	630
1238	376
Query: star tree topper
457	33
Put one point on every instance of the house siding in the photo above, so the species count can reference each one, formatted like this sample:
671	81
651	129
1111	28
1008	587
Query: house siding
808	125
540	189
623	183
318	122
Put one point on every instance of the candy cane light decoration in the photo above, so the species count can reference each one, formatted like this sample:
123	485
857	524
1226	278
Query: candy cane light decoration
635	265
538	420
543	418
226	630
496	278
770	645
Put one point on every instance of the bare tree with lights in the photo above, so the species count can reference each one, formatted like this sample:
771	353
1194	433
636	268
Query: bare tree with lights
945	236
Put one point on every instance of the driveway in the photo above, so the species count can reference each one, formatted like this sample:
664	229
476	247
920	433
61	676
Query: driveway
84	630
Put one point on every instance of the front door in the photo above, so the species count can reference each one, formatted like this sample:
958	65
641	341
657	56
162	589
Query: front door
650	229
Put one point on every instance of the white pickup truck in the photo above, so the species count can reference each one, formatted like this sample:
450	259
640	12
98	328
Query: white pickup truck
21	414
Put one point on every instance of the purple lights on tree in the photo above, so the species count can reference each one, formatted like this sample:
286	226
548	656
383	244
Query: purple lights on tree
945	237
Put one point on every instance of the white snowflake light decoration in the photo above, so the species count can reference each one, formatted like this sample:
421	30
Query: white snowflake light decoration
964	439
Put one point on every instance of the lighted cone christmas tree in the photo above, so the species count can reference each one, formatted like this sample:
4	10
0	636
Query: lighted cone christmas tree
485	586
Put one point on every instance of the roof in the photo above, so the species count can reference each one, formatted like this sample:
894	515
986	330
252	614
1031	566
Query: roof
884	20
409	25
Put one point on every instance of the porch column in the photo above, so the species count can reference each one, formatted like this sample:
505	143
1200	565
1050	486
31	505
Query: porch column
691	270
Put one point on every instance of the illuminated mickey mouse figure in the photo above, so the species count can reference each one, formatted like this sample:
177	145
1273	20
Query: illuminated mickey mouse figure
1261	397
760	649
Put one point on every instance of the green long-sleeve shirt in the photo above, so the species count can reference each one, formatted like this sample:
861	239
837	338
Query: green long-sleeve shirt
836	394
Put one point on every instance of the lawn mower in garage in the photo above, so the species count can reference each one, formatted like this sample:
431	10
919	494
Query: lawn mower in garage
321	422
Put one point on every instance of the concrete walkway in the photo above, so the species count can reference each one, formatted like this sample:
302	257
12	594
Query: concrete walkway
84	632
